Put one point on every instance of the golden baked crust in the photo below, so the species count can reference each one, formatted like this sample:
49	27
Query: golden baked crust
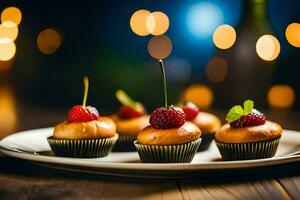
208	123
130	127
188	132
267	131
104	127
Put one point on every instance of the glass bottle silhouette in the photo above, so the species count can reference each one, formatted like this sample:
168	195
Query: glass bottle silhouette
248	75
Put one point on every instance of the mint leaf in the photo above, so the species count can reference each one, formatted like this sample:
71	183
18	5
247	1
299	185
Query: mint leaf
234	114
248	106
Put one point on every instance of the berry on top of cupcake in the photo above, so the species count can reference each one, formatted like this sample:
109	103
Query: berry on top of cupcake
190	109
168	127
166	118
207	122
130	108
169	137
84	133
130	119
249	132
239	117
83	113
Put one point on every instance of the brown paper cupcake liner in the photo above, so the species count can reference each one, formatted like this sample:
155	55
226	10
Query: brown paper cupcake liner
249	150
206	141
125	143
182	153
85	148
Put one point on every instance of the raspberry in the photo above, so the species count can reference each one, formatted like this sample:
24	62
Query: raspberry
191	111
82	114
253	119
127	112
167	118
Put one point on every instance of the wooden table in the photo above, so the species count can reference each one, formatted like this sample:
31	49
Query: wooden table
21	179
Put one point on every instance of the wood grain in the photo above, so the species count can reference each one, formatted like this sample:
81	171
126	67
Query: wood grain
68	188
170	190
291	185
268	189
23	180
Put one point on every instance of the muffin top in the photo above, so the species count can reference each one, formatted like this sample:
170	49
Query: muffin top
208	123
186	133
132	126
268	130
246	124
103	127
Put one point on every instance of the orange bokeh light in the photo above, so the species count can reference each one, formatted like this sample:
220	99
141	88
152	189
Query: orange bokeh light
8	117
224	36
292	34
160	47
48	41
157	23
138	22
7	51
281	96
12	14
8	32
268	47
216	69
199	94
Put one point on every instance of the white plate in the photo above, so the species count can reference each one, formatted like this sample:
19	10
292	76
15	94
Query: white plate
21	145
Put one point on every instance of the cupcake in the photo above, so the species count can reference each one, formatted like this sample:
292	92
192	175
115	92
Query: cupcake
248	135
208	123
169	138
84	134
130	120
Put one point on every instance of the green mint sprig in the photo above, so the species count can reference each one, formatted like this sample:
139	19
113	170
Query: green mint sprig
125	100
237	112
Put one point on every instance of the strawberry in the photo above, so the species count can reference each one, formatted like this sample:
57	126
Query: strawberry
82	114
255	118
127	112
190	109
130	108
167	118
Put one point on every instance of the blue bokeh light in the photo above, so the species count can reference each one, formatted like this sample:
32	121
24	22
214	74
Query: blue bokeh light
203	18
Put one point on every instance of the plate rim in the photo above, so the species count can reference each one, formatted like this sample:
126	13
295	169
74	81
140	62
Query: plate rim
148	166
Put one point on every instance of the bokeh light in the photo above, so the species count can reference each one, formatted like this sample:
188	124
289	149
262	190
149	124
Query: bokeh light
160	47
292	34
199	94
139	21
203	18
11	14
8	32
281	96
48	41
8	117
268	47
157	23
216	69
224	36
7	51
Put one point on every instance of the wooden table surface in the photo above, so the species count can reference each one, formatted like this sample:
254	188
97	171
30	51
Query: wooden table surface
21	179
